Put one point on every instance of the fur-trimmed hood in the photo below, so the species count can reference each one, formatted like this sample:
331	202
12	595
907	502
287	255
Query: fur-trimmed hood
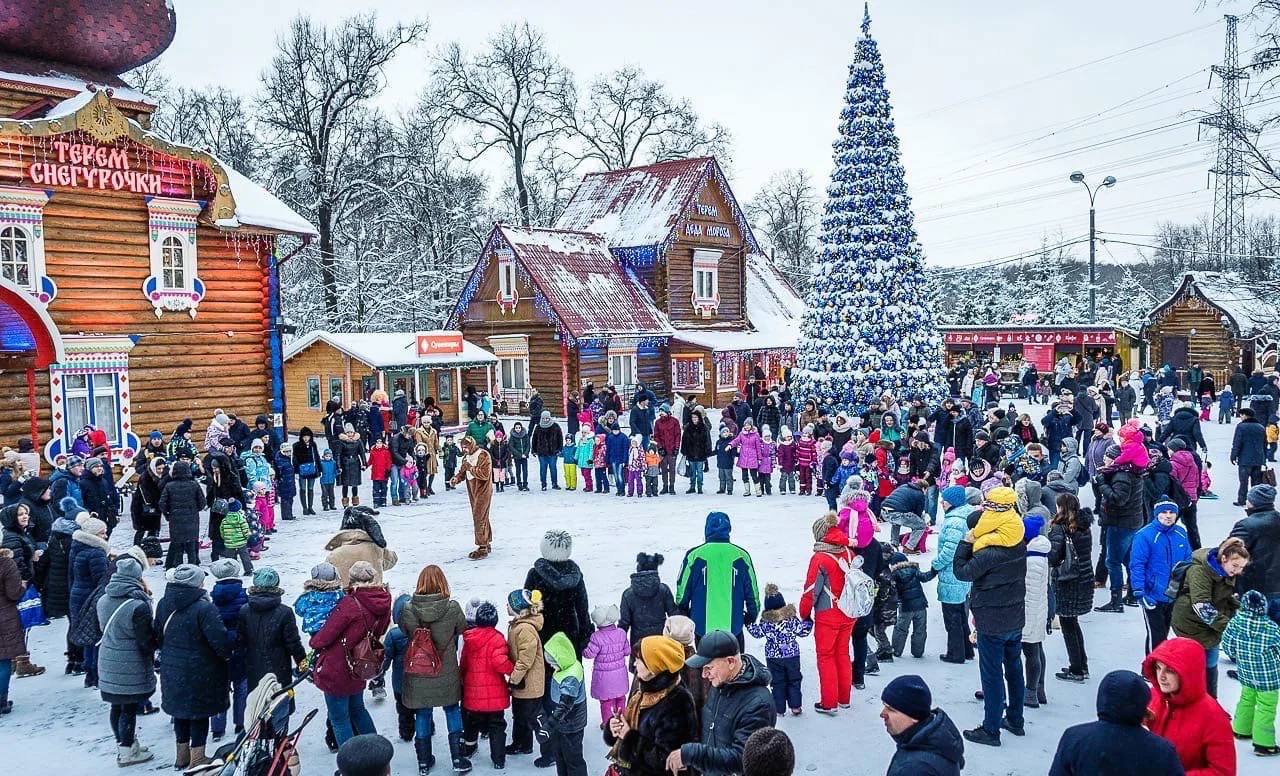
778	615
904	564
322	585
92	540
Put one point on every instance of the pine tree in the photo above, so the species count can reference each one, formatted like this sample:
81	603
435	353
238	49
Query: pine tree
868	327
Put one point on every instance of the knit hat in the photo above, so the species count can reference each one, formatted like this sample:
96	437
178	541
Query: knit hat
662	654
257	444
896	558
773	597
982	436
646	562
188	575
605	615
954	495
127	566
664	407
909	695
234	505
680	628
1001	499
365	755
348	428
1112	452
557	546
768	752
156	436
1176	443
267	577
73	461
1262	496
69	507
486	615
98	528
1164	505
94	463
363	572
324	572
137	554
225	568
922	436
523	600
973	496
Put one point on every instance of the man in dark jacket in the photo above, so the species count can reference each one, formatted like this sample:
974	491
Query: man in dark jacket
641	418
1123	513
905	506
1248	452
400	409
224	480
928	742
738	705
998	601
1239	383
536	405
402	444
958	431
546	442
987	450
1260	530
1059	423
180	503
1184	423
1117	744
267	631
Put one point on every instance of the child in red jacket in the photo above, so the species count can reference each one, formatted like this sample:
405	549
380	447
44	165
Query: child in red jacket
380	471
485	665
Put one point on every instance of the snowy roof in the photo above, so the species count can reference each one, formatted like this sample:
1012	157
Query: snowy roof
773	309
638	206
383	350
582	282
1250	314
55	79
255	206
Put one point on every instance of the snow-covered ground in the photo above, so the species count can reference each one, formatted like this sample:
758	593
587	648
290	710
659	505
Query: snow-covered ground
56	720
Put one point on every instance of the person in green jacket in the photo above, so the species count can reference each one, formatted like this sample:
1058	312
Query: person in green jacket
1206	601
717	583
235	533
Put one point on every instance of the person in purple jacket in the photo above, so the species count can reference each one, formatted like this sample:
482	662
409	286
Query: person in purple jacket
747	443
780	627
787	462
768	448
608	651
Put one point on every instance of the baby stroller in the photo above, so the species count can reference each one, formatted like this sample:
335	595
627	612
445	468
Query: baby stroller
266	748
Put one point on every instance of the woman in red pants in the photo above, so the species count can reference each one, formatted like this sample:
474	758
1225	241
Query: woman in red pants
832	629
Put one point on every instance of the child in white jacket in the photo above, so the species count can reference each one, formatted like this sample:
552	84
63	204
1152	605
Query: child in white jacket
1037	619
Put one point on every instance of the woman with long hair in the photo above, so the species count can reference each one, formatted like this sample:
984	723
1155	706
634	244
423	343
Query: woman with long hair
1071	547
432	615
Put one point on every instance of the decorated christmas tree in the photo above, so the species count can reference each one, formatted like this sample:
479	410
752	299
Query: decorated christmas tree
868	327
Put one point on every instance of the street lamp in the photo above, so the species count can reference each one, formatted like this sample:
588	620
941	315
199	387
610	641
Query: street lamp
1109	181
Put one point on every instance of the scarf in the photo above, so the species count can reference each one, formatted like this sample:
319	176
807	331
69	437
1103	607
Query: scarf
649	694
831	549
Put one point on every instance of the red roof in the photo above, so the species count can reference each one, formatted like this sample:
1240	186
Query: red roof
638	206
583	284
103	35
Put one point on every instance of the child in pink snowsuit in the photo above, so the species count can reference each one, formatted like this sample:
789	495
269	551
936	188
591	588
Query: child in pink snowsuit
635	468
1133	451
855	519
806	458
264	504
601	466
747	443
764	469
608	650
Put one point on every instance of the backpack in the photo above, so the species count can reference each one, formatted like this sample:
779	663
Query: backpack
1177	577
365	658
858	595
422	658
1082	476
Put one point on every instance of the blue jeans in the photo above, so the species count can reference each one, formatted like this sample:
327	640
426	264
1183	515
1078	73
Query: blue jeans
239	694
424	724
931	505
348	716
696	470
6	671
1118	542
397	484
548	463
619	471
997	653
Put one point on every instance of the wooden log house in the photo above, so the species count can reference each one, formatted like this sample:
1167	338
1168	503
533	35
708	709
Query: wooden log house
138	278
651	278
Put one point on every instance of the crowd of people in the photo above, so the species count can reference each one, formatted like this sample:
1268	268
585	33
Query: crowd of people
1002	496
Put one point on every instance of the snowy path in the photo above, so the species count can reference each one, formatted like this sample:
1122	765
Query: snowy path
56	719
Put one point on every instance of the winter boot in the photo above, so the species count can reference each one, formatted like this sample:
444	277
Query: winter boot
355	501
73	668
346	502
426	760
6	705
1029	699
1116	606
460	763
378	688
23	667
132	755
183	759
197	757
746	487
469	748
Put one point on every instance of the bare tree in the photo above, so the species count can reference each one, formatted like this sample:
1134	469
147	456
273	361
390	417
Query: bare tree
785	212
629	120
150	79
215	120
510	96
314	106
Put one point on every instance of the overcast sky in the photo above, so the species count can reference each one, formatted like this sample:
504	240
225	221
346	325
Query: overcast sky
990	125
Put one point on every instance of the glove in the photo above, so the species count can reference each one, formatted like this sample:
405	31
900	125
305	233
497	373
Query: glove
1206	611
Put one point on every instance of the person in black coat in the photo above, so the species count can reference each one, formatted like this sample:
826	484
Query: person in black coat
647	603
661	727
546	442
769	415
267	633
332	421
224	480
564	594
1239	384
1072	576
695	445
194	650
306	458
17	539
100	494
262	430
1184	423
1260	530
1248	452
37	495
144	505
959	432
1117	744
1123	513
928	742
738	705
180	503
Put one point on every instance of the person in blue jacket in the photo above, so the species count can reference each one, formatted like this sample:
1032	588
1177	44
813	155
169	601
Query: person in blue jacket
617	446
952	592
1157	547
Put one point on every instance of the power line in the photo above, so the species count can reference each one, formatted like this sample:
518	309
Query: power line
1206	252
1021	256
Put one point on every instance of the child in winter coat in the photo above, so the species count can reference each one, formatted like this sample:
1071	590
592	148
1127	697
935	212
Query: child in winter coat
422	463
600	462
725	455
585	455
1206	401
780	628
768	449
1253	640
806	458
913	605
256	466
999	525
395	644
527	678
1035	627
500	454
229	596
521	445
1133	450
884	611
747	444
647	602
568	696
635	467
1206	481
320	594
608	650
652	469
235	534
569	462
1226	404
449	454
854	519
485	664
286	483
328	479
953	593
264	506
786	462
409	476
380	464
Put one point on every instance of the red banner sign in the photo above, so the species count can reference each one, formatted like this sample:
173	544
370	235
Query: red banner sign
439	344
1022	337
